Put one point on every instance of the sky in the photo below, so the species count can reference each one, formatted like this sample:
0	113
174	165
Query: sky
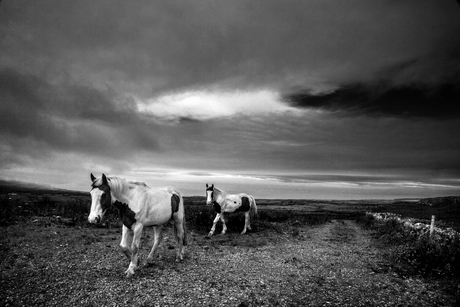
279	99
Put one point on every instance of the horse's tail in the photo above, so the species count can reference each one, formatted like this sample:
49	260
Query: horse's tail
253	208
184	227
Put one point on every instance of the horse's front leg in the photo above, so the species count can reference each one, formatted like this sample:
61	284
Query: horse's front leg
137	233
224	226
126	238
216	219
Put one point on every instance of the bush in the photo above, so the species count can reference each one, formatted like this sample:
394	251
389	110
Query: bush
412	247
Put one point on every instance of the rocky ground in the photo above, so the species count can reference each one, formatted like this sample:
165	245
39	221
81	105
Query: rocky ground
334	264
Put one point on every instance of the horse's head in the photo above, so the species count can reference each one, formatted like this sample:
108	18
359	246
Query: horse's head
209	194
101	198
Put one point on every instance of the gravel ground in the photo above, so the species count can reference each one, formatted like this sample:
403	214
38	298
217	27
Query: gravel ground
334	264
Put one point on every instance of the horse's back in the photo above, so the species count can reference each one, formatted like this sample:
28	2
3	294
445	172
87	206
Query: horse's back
241	195
155	206
171	190
161	193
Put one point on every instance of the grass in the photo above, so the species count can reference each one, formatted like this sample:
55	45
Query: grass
411	248
48	245
74	211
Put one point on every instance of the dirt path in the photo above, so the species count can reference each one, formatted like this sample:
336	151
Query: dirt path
334	264
344	268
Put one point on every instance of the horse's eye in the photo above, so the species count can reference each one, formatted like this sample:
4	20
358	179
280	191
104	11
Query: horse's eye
103	197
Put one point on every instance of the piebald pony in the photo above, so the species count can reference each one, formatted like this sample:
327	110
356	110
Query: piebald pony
139	206
224	202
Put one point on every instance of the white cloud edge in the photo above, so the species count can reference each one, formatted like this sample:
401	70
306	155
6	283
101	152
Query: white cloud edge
205	105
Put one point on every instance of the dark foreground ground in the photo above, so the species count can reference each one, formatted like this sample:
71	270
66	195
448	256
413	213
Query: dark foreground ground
336	263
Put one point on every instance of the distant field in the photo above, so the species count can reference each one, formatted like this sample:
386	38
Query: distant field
26	201
446	209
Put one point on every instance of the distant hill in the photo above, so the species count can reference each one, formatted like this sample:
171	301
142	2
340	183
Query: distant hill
13	186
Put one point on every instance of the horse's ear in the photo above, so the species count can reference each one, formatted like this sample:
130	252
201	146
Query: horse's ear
212	186
104	180
206	183
92	177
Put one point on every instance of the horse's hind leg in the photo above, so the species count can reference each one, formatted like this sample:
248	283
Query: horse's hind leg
247	224
248	220
179	231
126	239
158	236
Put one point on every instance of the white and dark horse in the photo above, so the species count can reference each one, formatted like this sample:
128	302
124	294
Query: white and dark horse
139	206
224	202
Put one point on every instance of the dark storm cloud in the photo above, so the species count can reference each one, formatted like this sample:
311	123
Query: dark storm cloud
414	100
69	117
166	46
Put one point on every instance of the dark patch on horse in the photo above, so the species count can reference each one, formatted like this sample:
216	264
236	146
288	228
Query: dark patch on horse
175	200
245	206
216	206
127	216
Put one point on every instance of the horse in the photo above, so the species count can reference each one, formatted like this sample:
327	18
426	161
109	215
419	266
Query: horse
139	206
224	202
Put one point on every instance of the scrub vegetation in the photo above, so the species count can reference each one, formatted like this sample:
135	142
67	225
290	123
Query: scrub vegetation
413	248
300	252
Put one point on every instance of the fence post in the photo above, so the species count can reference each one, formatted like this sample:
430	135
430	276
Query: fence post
432	225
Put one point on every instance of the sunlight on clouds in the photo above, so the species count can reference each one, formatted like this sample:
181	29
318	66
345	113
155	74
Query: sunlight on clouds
190	175
201	105
192	182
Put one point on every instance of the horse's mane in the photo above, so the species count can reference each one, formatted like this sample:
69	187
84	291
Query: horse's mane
118	185
220	190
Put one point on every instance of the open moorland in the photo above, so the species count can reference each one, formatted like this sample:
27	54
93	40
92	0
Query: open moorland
300	253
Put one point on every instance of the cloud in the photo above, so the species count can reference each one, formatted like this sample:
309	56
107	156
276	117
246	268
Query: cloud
69	117
207	105
152	49
415	100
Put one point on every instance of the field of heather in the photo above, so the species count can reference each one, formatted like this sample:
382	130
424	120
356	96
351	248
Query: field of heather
300	252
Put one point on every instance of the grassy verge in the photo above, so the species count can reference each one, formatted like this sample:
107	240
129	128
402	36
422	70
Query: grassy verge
412	249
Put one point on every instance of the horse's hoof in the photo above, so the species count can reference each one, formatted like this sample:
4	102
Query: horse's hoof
149	263
129	273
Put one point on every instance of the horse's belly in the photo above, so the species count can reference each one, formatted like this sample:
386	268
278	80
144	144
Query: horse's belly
155	218
232	206
159	210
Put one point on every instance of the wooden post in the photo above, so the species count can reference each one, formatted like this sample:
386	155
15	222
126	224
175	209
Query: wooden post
432	225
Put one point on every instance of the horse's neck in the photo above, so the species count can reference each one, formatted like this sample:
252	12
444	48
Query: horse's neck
221	195
119	188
